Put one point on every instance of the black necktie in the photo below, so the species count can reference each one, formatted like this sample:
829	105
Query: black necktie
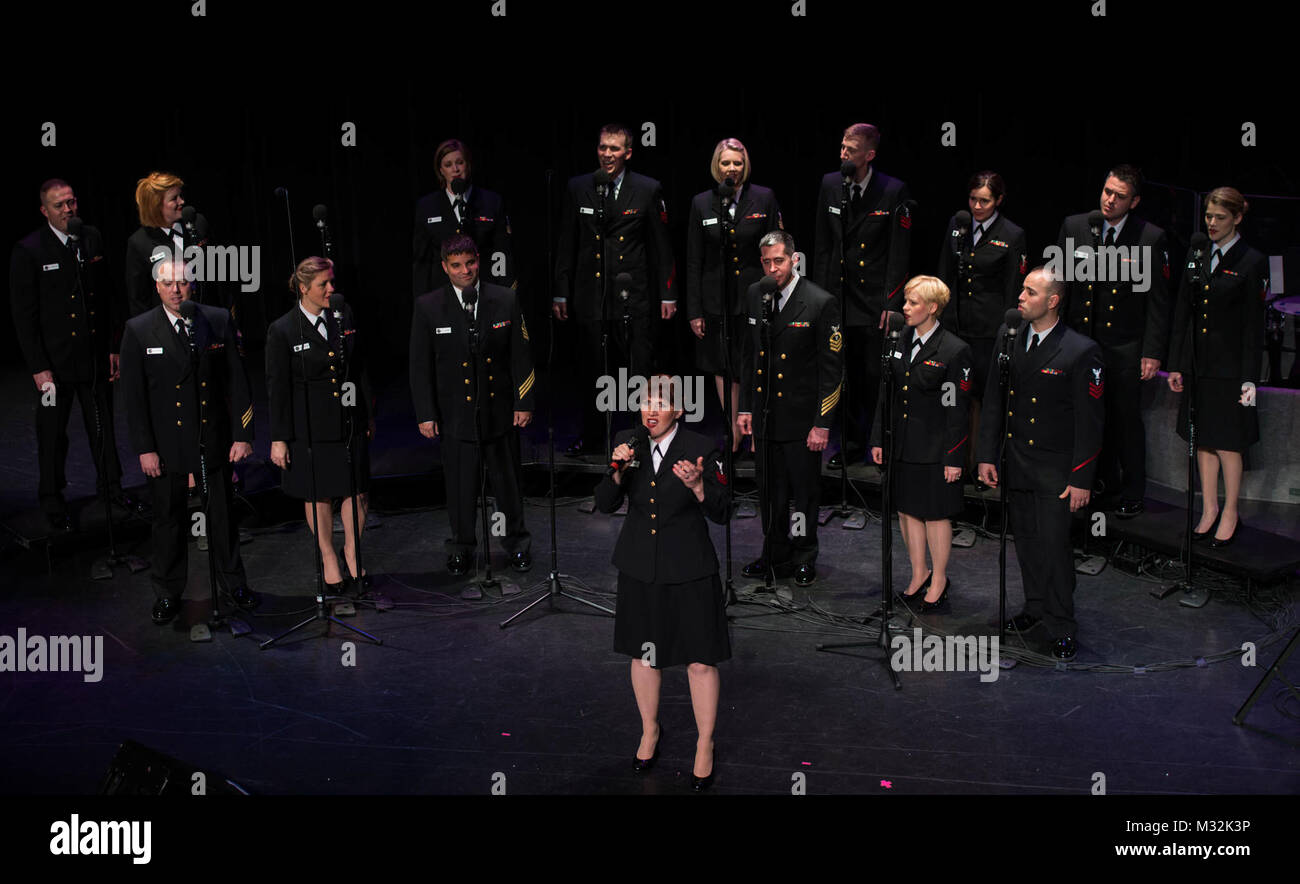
659	458
1110	237
776	307
975	237
320	326
916	350
1033	343
458	208
181	333
1214	261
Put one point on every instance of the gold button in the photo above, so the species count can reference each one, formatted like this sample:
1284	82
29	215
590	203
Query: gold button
738	273
72	316
620	239
490	378
74	334
466	380
1008	435
492	395
598	274
904	388
862	245
331	352
92	312
1114	292
1204	331
178	423
467	398
1031	420
178	386
1207	288
1031	441
652	483
464	365
334	380
735	260
598	256
201	384
782	355
759	389
336	395
1033	399
1087	303
905	414
205	420
760	371
333	368
779	376
178	405
1085	319
654	515
778	394
761	353
907	374
652	531
1108	325
1112	307
203	402
1009	413
1206	301
862	263
652	500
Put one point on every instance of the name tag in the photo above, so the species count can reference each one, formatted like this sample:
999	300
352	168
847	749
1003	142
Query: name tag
753	321
50	267
298	348
834	210
1079	253
153	351
435	219
708	222
585	210
896	354
442	330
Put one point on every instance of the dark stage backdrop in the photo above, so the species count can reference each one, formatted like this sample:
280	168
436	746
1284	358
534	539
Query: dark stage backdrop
274	97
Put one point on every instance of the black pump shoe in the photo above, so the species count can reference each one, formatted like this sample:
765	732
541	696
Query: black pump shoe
920	590
1199	536
1216	543
701	784
641	765
940	603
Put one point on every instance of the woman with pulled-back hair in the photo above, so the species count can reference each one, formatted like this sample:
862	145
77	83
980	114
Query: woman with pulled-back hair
1219	333
307	382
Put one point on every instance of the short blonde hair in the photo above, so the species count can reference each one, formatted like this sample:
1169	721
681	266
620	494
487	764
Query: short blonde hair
930	289
306	272
715	165
149	193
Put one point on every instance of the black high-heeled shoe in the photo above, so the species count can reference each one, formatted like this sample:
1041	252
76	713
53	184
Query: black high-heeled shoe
920	590
1216	543
1199	536
700	784
641	765
940	602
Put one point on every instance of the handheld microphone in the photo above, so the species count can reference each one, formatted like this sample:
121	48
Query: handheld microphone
75	224
849	171
602	182
895	322
319	212
459	186
768	288
640	435
1200	244
1094	225
1013	319
188	214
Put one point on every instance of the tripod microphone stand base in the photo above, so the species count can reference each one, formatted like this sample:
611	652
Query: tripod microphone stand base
202	632
554	589
323	614
102	569
854	518
1194	597
780	590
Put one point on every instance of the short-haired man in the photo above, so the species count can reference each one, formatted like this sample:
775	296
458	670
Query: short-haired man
1131	326
867	272
1052	431
788	394
443	386
68	332
172	410
634	241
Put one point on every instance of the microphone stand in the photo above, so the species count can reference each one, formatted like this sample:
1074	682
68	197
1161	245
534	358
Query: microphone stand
553	585
474	590
854	518
1193	596
589	506
765	489
102	568
728	236
885	613
203	632
1004	392
350	435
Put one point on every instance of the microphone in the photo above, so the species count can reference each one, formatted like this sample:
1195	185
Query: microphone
75	224
768	288
895	322
725	190
1094	224
849	171
961	229
188	214
337	301
459	186
640	435
189	311
1200	244
470	297
282	193
623	282
602	181
319	212
1013	319
327	244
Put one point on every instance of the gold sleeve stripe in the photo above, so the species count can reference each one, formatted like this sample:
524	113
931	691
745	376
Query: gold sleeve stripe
523	327
831	401
526	385
247	417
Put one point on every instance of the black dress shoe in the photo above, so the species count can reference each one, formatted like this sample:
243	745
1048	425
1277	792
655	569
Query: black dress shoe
521	561
755	570
165	610
1202	535
641	765
1022	622
805	574
1216	543
245	598
458	563
1060	648
941	603
920	590
837	459
1127	509
579	448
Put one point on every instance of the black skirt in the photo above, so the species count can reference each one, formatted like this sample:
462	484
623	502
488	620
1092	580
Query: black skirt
708	350
1222	422
671	624
920	492
331	461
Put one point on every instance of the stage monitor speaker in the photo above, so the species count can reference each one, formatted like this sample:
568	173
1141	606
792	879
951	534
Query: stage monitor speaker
139	770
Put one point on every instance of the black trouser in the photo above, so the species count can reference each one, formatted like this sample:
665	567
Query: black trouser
862	367
460	463
1041	523
1123	461
172	525
52	438
796	472
637	354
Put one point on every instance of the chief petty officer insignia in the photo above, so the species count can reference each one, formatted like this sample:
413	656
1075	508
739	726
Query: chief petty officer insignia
837	339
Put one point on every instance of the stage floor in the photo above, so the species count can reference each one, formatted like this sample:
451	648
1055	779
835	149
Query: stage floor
450	699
